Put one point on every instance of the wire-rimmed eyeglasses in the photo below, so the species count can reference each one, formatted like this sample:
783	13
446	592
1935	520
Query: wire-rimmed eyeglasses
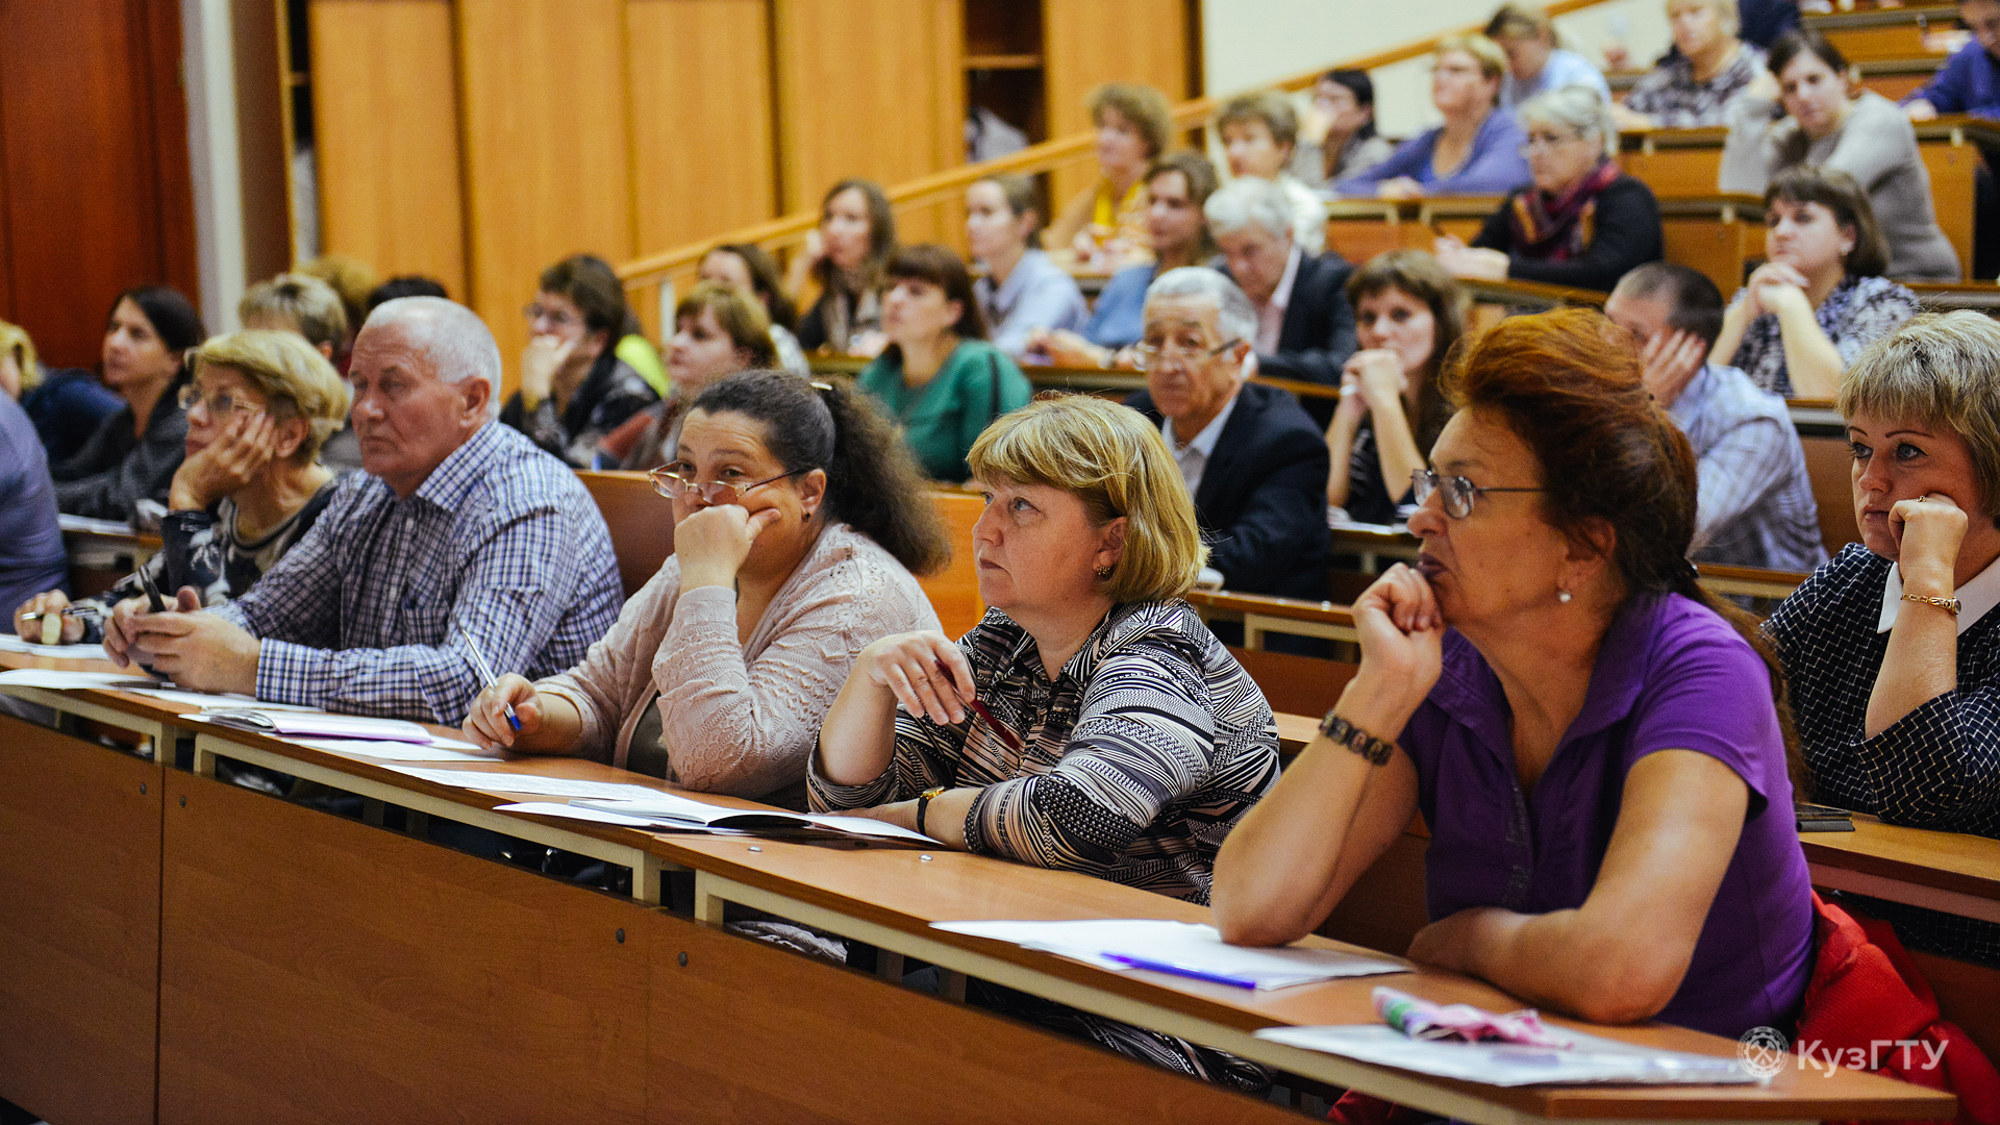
1459	493
673	486
1145	355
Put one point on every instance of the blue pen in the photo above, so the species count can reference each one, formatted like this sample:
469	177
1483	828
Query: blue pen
1181	970
485	671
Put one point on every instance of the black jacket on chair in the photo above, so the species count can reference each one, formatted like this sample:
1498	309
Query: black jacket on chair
1262	500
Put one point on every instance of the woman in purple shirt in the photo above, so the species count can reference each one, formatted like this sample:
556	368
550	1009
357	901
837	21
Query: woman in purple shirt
1595	742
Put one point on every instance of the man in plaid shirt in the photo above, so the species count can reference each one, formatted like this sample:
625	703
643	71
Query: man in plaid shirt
457	527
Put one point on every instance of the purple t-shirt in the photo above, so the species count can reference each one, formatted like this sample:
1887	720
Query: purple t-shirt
1672	675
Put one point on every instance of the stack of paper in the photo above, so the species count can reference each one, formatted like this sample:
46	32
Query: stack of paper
658	810
1180	948
497	782
12	643
1592	1059
314	724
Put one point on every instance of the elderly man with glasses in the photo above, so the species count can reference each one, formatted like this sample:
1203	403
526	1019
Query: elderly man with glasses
1254	462
459	532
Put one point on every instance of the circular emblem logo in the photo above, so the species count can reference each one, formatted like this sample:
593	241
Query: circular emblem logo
1764	1051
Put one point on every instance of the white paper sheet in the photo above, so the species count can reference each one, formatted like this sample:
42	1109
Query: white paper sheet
1592	1060
497	782
215	699
68	522
13	643
680	810
53	680
282	723
442	750
1191	947
574	812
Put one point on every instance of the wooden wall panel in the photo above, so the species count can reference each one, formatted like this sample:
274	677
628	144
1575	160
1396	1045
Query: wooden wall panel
1087	42
547	147
385	115
704	154
262	84
93	152
871	88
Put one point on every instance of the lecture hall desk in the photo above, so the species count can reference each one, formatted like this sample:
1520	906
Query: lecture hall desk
239	957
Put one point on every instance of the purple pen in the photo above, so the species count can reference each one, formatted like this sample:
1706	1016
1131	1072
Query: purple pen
1187	971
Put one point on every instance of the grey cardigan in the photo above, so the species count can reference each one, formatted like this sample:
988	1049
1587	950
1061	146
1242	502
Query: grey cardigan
1877	146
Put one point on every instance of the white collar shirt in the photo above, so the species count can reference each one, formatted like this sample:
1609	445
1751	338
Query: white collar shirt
1193	457
1271	314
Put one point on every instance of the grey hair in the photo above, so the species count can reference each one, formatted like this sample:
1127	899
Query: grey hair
1249	200
1578	108
1725	11
1234	317
458	343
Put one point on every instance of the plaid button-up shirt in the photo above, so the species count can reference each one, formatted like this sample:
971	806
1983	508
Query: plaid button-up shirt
501	540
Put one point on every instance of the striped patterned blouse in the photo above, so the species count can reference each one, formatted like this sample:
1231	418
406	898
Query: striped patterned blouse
1140	756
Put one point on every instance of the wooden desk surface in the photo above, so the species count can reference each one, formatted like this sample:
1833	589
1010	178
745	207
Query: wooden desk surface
905	892
1947	871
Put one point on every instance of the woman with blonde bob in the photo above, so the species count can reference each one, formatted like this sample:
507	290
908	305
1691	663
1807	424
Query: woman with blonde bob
259	407
1124	741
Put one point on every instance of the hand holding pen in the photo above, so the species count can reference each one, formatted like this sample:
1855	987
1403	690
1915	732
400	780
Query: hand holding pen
50	618
486	673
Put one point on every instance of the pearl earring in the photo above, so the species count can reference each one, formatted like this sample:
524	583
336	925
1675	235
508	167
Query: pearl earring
1562	595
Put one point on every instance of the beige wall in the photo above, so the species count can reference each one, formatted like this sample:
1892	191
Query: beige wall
1247	43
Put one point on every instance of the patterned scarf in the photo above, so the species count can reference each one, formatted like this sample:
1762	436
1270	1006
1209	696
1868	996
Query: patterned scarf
1560	230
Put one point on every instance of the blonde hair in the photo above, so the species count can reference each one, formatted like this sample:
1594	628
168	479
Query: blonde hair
1109	457
1937	369
312	307
1491	59
14	341
1726	13
352	278
298	381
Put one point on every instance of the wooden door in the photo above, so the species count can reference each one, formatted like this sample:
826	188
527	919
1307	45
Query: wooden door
1089	42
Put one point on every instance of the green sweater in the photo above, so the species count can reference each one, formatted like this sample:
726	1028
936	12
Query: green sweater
941	419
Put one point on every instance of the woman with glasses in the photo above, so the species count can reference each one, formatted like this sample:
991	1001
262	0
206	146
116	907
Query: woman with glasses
939	378
578	381
1582	222
1409	313
260	406
1477	149
1091	722
1600	748
798	519
132	454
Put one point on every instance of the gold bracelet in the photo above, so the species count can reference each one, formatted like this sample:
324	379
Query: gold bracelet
1949	605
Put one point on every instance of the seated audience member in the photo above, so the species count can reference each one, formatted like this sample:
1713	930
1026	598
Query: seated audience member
939	378
747	267
132	454
1477	151
1891	647
1177	186
1832	124
1343	115
1583	222
1251	457
460	532
258	407
353	281
845	254
1970	81
1592	738
65	406
574	387
1755	504
1105	224
404	285
1694	86
1820	297
1535	64
32	556
1305	327
1260	134
1125	741
719	671
1411	314
1023	290
342	451
718	330
296	303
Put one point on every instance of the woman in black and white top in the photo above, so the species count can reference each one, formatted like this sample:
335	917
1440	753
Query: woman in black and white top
1893	647
1124	741
258	409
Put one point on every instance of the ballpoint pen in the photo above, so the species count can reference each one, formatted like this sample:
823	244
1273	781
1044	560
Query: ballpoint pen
1007	737
485	671
1187	971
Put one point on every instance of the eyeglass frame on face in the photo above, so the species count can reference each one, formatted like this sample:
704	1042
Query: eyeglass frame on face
535	311
190	394
708	490
1144	354
1546	141
1423	482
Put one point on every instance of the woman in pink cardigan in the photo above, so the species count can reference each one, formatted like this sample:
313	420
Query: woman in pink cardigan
798	519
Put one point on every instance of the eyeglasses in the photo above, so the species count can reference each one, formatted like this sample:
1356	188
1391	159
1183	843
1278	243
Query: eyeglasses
557	317
1547	140
673	486
1459	493
1145	355
220	406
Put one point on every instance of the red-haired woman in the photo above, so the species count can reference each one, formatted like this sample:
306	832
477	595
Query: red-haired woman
1596	743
